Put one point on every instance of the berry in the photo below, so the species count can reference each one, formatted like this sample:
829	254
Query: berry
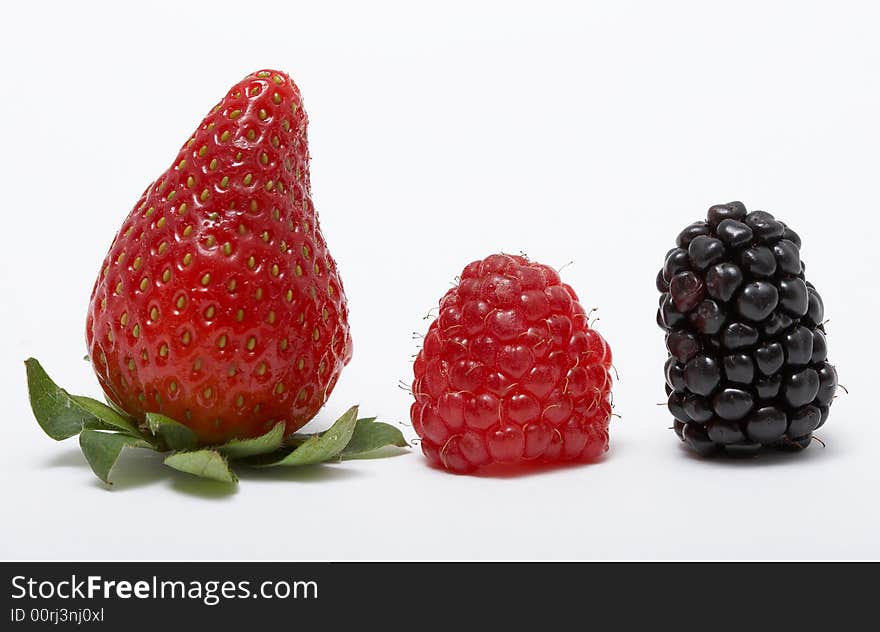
702	374
703	251
732	403
766	424
724	432
720	212
511	372
769	357
739	368
793	297
723	280
757	262
218	304
686	236
757	301
686	289
697	438
697	409
738	336
734	233
683	346
747	365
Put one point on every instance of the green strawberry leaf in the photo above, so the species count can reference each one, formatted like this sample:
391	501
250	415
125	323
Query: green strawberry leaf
370	435
57	414
173	434
107	417
105	431
206	463
62	415
113	405
102	449
320	447
243	448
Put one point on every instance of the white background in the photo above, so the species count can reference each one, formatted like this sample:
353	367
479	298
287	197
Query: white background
439	135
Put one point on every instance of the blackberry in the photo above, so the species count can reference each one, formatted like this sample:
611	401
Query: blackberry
747	364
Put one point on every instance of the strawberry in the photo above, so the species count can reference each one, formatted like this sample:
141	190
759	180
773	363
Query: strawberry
218	304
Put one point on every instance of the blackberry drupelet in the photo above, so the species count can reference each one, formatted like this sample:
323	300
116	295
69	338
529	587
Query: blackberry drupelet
747	363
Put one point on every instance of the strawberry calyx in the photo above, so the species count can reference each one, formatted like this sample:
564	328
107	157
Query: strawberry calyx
105	431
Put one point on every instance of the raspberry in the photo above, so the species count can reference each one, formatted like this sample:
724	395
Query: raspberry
747	364
511	372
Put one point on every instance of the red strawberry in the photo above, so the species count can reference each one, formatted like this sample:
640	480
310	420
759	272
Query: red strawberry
219	304
511	371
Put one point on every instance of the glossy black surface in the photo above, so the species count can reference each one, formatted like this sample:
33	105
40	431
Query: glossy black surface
723	280
748	363
720	212
757	300
687	290
724	432
800	387
688	234
708	317
732	403
698	408
758	262
738	336
798	346
702	374
803	421
739	368
704	251
793	297
827	384
769	357
766	424
788	256
682	345
734	233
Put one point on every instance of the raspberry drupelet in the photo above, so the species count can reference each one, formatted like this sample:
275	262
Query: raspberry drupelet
511	372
